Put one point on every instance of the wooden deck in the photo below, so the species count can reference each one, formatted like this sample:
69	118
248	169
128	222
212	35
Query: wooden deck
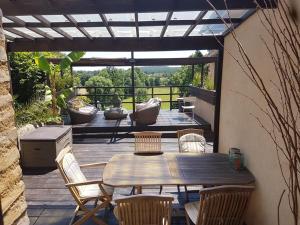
51	203
168	120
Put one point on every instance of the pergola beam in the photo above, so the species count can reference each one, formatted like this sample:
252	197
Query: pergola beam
20	33
118	44
197	21
47	23
168	19
123	23
81	29
54	7
139	62
103	18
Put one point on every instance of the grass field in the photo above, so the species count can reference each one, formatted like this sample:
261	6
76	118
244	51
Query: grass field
156	93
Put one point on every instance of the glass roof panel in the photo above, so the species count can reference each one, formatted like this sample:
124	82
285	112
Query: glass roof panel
150	31
206	30
51	32
124	31
97	31
11	34
5	20
175	31
29	32
157	16
55	18
233	14
191	15
74	32
87	17
28	19
120	17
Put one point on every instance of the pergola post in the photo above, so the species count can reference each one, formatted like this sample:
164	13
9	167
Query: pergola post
218	86
132	81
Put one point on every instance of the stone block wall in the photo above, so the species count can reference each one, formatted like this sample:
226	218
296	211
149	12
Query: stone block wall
11	185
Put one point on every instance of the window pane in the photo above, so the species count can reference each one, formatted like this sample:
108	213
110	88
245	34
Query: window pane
124	31
87	18
11	34
51	32
120	17
29	32
97	31
28	19
176	30
55	18
74	32
161	16
150	31
224	14
191	15
204	30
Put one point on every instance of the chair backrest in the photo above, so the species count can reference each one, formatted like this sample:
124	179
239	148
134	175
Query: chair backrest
192	143
147	141
70	170
189	131
224	205
144	209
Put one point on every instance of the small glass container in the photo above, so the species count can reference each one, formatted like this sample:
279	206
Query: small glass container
237	161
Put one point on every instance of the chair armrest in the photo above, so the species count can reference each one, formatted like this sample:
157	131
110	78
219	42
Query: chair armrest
93	165
84	183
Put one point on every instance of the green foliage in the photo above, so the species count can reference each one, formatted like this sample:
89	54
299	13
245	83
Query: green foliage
69	59
209	83
34	113
28	81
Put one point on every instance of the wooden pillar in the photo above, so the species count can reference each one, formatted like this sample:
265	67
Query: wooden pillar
218	85
132	81
202	76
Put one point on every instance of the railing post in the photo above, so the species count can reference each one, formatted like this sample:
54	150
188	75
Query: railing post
152	92
95	95
170	98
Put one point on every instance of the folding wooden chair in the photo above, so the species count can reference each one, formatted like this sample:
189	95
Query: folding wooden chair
144	209
219	205
82	190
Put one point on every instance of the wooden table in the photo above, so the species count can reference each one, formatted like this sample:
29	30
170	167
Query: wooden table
173	169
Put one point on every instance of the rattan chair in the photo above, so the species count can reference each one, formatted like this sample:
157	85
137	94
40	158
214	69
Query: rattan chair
180	133
82	190
219	205
147	142
144	210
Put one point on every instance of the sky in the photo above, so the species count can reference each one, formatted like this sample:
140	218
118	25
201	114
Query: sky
154	54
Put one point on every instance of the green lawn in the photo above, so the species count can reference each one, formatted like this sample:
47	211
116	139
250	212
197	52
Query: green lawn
156	93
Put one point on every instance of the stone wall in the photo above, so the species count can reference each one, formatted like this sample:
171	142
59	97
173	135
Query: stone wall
11	184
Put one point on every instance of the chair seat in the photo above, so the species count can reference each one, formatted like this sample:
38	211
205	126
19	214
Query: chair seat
192	210
93	191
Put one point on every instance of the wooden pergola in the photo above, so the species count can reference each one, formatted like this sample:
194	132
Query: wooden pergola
131	25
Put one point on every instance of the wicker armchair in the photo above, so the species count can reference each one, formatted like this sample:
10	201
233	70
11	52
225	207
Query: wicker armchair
144	209
219	205
79	115
82	190
147	115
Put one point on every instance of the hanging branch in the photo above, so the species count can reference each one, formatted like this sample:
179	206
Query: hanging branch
283	113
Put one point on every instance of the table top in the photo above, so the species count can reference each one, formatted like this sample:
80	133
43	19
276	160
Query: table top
46	133
173	169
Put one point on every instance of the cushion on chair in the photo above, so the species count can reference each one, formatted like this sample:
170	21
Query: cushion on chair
192	209
75	175
192	143
87	109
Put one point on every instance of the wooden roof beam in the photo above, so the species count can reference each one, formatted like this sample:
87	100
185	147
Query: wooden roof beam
168	19
104	20
81	29
21	34
197	21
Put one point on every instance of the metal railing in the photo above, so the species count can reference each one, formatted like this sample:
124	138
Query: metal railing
104	95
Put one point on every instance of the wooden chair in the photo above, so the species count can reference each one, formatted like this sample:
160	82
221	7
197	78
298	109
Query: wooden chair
219	205
180	134
147	142
82	190
144	209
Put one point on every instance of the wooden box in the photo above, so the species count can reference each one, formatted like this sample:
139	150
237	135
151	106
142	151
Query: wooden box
40	147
